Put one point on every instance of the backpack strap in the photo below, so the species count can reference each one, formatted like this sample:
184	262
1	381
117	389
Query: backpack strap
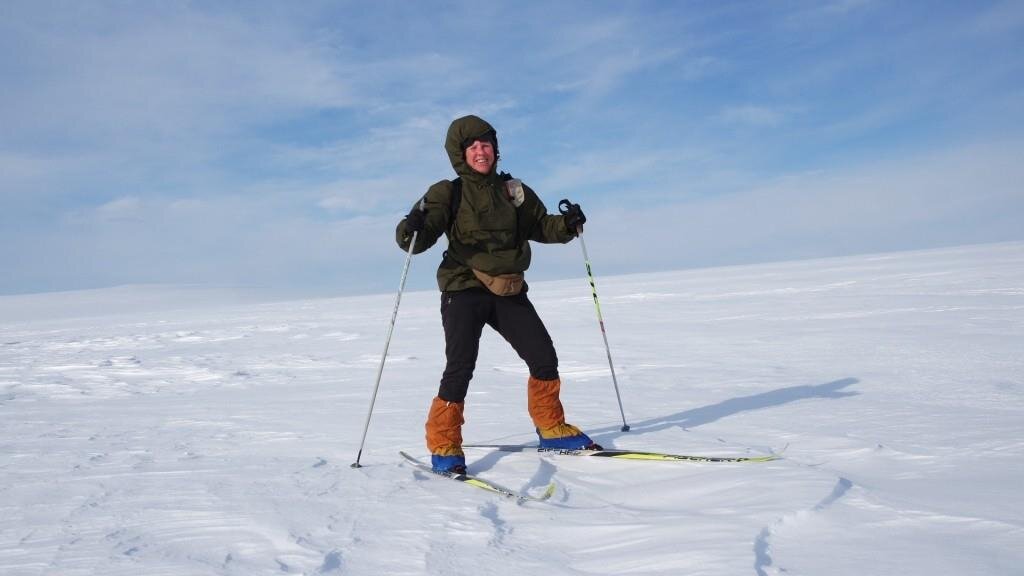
453	206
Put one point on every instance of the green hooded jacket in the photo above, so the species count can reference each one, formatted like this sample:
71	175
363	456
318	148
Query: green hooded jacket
489	232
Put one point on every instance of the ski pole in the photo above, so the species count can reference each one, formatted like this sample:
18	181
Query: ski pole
564	207
387	341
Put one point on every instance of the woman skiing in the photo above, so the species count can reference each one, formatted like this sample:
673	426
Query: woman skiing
490	219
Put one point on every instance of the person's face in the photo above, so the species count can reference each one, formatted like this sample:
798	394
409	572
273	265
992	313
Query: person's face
480	156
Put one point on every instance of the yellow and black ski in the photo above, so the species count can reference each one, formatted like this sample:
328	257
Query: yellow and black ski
625	454
481	483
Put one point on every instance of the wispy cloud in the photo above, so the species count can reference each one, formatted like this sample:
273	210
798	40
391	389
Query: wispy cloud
940	198
170	71
600	55
193	142
752	115
125	208
1003	17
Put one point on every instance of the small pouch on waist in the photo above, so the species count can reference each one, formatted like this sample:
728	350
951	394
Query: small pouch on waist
502	284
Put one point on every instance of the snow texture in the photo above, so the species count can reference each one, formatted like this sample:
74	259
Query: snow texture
218	438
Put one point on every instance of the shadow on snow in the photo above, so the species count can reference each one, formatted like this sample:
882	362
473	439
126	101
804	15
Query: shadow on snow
707	414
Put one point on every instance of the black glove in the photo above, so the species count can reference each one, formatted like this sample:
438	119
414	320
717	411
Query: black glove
415	219
573	215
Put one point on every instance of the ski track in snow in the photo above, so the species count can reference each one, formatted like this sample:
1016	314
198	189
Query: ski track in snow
762	544
218	440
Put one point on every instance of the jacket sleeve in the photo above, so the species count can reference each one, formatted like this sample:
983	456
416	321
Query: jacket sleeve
544	228
438	204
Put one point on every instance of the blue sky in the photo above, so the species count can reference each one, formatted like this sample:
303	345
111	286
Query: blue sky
276	144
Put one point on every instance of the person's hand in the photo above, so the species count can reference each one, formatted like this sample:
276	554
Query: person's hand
415	220
573	214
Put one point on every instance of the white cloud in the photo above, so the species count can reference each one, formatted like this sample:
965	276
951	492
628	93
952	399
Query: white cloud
590	170
195	141
822	14
370	196
998	18
125	208
752	115
964	195
166	72
223	240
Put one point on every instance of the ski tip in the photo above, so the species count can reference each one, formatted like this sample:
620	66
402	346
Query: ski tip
776	454
548	492
482	483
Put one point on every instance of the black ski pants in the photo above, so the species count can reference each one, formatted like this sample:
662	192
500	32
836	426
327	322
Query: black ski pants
464	314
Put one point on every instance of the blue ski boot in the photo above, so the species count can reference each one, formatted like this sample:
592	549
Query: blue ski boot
565	437
455	464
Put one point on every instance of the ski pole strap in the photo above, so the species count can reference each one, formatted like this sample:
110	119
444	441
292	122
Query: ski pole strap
564	207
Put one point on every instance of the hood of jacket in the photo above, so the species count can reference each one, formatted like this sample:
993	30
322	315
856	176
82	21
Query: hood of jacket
461	130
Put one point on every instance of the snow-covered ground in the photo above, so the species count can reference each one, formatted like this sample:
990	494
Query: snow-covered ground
217	439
